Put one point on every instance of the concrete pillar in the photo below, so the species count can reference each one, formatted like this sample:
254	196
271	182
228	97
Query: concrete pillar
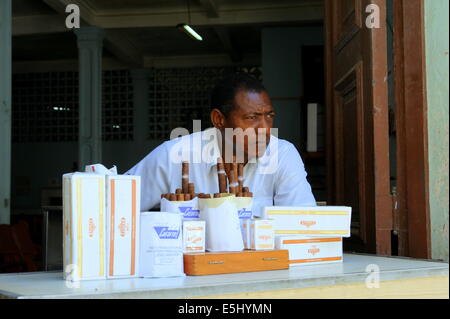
140	79
90	45
5	111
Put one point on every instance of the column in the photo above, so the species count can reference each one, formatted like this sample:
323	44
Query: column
5	111
140	109
90	45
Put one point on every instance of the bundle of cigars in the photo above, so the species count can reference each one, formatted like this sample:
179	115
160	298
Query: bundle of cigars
231	175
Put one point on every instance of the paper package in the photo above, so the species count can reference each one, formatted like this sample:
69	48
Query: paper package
317	221
261	234
161	245
305	250
84	218
223	230
188	209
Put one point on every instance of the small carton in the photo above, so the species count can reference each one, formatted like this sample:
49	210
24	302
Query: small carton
305	250
261	234
320	221
84	219
245	228
193	236
123	216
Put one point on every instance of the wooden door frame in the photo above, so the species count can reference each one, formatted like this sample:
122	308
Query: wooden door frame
412	215
410	219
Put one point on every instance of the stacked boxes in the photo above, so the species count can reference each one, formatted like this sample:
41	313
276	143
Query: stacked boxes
304	250
100	226
311	234
161	246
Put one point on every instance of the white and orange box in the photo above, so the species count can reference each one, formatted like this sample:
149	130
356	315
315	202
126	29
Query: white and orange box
193	236
261	234
317	221
245	229
84	219
122	225
304	250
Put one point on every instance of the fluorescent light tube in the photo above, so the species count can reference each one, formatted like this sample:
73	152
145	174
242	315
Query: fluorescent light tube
189	31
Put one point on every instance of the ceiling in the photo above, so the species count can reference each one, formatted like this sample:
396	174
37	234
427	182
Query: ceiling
137	30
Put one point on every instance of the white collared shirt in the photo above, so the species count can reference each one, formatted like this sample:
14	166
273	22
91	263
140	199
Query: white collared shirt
277	178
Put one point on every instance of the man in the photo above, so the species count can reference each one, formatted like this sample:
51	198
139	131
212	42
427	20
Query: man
273	171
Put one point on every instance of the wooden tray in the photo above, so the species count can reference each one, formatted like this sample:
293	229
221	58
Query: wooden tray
213	263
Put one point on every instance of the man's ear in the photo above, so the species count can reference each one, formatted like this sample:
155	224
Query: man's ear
217	119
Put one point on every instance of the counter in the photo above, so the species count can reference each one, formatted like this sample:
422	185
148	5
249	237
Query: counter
388	277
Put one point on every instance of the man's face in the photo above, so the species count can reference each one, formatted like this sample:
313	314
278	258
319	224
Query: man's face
253	113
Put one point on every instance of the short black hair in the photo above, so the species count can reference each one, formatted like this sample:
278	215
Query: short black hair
223	94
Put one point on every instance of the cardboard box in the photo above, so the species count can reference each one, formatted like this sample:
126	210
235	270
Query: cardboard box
123	216
305	250
194	236
320	221
261	234
84	219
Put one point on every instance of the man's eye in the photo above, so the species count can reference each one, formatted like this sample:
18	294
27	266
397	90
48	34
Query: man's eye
251	117
272	115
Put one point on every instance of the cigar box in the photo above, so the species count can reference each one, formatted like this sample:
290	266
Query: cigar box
317	221
84	221
311	250
122	225
213	263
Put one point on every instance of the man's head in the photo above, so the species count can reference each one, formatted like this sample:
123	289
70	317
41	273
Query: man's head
241	101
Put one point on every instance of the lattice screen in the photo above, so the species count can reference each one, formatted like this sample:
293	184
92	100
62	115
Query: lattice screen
179	95
45	107
117	116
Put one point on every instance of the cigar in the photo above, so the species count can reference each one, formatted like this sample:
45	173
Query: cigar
178	191
172	197
217	195
184	177
180	197
240	194
221	175
234	169
202	195
233	184
241	177
245	190
187	197
248	194
191	188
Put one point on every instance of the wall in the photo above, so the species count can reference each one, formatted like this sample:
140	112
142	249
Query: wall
282	73
437	66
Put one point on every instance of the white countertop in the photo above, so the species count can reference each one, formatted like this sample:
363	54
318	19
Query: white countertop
352	270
